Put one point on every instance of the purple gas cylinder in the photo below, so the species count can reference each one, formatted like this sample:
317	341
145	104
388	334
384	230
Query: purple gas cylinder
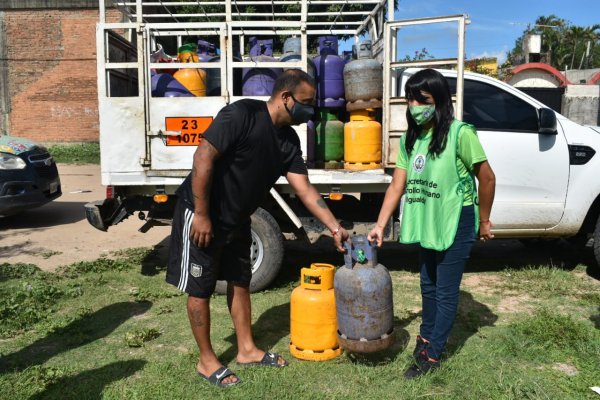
164	85
205	51
260	81
330	74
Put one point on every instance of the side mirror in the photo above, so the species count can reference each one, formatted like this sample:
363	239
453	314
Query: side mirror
547	122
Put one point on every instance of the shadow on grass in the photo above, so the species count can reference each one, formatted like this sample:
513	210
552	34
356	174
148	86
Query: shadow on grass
78	333
596	319
470	318
493	256
156	260
268	329
390	354
90	384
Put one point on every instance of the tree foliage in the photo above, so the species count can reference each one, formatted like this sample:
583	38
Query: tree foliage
564	45
239	10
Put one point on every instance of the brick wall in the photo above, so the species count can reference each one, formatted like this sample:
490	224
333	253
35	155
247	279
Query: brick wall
52	73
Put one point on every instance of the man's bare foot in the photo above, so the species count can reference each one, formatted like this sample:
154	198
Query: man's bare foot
257	357
210	368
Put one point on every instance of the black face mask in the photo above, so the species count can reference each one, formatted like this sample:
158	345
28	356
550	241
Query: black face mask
300	112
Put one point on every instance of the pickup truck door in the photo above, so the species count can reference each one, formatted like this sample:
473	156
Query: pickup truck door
532	169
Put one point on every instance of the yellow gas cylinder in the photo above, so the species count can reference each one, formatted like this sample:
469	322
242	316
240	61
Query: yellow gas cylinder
193	79
313	326
362	141
187	53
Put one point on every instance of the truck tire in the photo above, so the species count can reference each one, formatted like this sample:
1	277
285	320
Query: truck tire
266	252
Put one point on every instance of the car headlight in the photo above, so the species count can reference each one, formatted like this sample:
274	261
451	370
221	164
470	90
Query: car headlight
9	161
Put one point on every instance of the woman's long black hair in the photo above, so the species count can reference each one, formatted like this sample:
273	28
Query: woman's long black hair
430	81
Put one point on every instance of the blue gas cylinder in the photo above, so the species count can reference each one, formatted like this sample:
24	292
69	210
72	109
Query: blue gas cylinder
164	85
329	74
364	302
260	81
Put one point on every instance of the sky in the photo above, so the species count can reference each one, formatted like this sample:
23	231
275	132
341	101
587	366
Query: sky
494	27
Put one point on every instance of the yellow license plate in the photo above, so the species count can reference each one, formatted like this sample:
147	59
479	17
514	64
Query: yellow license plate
192	130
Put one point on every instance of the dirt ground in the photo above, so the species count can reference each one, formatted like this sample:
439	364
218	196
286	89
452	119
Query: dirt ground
58	232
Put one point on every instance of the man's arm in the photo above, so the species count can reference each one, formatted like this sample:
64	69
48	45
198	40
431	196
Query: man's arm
313	201
202	171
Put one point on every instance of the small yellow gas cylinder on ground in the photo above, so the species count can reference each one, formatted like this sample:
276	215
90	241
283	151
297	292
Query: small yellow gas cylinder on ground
313	326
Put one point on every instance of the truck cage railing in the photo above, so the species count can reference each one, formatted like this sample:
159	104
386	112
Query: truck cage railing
318	17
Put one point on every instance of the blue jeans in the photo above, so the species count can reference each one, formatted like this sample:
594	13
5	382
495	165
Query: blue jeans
441	273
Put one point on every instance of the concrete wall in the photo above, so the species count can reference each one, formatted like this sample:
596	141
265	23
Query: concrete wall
48	72
581	103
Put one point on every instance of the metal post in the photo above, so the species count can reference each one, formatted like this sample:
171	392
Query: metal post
228	71
460	68
102	12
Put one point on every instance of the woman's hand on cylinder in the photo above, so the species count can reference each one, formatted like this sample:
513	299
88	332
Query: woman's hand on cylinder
376	235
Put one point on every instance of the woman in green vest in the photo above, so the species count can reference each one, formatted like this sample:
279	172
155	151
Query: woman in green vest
443	211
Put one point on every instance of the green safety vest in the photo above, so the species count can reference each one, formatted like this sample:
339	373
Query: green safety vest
434	193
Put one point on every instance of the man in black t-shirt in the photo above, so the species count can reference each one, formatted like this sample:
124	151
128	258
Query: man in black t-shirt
249	145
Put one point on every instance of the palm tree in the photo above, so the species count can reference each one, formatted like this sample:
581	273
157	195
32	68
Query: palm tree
551	28
574	36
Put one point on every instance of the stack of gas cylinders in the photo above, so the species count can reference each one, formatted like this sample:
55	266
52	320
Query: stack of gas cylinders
349	88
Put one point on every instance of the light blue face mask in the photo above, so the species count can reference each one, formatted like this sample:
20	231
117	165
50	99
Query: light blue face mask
422	114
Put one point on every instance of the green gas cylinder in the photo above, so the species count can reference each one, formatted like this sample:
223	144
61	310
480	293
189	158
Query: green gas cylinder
329	140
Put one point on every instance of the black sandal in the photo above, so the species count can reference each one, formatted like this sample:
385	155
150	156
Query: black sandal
268	360
217	377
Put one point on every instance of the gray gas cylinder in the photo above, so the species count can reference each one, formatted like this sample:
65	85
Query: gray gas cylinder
363	298
291	53
363	80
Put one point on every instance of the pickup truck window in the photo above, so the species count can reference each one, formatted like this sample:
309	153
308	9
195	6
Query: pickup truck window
490	108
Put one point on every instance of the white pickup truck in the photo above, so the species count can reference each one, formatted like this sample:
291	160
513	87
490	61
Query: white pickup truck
546	165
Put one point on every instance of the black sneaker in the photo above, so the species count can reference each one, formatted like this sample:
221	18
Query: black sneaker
419	347
423	365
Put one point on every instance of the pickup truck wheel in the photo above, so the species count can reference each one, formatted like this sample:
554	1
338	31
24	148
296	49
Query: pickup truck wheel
266	252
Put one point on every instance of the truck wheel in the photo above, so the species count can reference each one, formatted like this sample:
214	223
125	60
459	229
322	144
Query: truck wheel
266	252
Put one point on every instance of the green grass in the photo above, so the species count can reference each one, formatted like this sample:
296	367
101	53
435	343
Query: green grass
113	329
75	153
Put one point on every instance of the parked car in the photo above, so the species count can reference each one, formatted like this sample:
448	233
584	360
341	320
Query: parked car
28	175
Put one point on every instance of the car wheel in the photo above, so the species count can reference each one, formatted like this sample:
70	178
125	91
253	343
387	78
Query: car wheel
266	252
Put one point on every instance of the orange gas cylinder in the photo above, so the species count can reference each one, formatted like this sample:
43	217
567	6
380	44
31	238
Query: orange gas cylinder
193	79
313	327
362	141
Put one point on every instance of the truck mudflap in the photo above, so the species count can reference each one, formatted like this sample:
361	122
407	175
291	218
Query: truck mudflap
102	214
